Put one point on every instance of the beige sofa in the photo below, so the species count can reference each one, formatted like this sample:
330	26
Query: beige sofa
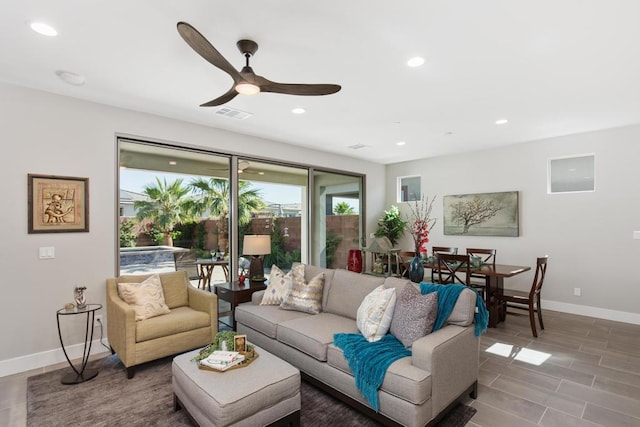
417	390
192	321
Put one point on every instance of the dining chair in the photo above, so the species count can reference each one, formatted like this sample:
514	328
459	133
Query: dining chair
454	268
526	301
186	260
435	250
487	256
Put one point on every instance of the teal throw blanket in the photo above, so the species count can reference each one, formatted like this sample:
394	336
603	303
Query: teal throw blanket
369	361
447	298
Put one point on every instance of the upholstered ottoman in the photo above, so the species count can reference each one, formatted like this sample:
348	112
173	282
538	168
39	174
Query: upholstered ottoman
266	392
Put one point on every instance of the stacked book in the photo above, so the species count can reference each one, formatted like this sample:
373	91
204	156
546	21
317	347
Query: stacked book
222	360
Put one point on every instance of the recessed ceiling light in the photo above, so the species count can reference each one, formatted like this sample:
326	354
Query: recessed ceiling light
260	173
44	29
502	121
70	77
416	61
400	143
173	162
298	110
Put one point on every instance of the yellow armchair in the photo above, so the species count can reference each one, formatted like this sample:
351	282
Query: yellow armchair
191	323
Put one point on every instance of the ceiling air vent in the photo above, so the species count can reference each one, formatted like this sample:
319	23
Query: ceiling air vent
233	113
356	146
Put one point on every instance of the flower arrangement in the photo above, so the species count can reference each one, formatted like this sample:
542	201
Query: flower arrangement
420	223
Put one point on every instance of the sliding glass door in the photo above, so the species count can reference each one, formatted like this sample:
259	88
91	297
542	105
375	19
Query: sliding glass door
272	202
179	206
173	211
338	217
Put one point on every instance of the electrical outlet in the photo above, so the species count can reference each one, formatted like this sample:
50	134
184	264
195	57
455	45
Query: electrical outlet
97	321
577	292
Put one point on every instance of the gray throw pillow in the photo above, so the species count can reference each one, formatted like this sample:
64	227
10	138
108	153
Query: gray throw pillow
414	315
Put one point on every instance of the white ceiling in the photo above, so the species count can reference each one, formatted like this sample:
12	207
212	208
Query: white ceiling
551	67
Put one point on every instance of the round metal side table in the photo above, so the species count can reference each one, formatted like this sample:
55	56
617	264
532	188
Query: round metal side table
81	374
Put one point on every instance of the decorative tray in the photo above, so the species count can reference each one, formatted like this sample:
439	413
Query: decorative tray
249	357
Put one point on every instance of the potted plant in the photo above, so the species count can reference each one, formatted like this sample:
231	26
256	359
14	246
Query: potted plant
391	225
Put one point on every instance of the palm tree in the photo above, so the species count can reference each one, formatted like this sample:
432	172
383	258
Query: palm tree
343	208
214	196
168	206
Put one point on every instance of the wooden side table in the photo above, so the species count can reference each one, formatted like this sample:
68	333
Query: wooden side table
80	375
236	293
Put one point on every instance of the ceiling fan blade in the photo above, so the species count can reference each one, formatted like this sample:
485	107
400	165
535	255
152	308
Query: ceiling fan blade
296	89
231	93
205	49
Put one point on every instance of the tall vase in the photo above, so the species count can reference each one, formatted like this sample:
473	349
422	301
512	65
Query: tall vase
416	269
354	261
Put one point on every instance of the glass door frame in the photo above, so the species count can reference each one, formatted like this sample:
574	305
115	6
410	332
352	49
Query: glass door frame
233	205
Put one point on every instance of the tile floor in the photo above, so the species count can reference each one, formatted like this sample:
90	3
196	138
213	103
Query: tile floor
580	371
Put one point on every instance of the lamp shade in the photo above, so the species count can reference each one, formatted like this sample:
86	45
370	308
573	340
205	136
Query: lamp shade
256	244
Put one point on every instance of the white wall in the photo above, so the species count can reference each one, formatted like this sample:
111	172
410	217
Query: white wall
588	236
48	134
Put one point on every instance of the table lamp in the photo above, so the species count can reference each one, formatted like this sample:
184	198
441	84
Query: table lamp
256	245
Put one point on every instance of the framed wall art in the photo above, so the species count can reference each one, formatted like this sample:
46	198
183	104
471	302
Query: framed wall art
57	204
484	214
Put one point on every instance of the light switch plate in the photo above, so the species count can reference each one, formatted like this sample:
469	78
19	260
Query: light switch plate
636	235
47	252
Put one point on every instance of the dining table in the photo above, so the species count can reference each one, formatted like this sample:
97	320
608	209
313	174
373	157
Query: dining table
205	270
494	275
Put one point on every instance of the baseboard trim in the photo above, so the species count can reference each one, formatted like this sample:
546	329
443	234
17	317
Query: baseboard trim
48	358
585	310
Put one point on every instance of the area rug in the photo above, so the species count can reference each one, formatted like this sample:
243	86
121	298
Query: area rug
111	399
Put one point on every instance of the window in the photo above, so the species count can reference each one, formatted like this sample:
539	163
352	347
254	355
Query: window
571	174
409	188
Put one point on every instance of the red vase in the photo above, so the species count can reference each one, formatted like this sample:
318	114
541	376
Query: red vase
354	260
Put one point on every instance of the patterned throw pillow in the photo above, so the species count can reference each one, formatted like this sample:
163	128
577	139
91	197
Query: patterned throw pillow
414	315
279	285
375	313
146	297
305	297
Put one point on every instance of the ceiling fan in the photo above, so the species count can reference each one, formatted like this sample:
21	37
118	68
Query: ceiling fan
245	81
243	167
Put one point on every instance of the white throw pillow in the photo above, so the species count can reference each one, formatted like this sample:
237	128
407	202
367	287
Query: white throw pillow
279	285
146	298
375	313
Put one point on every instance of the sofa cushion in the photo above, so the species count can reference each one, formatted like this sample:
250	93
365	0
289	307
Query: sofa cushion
414	314
180	319
146	297
464	310
265	318
313	334
279	285
348	289
174	286
304	296
375	313
402	378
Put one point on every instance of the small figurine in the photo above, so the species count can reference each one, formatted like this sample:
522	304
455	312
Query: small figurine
241	278
79	298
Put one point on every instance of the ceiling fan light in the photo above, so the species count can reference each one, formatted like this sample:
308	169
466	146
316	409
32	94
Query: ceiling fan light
247	89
